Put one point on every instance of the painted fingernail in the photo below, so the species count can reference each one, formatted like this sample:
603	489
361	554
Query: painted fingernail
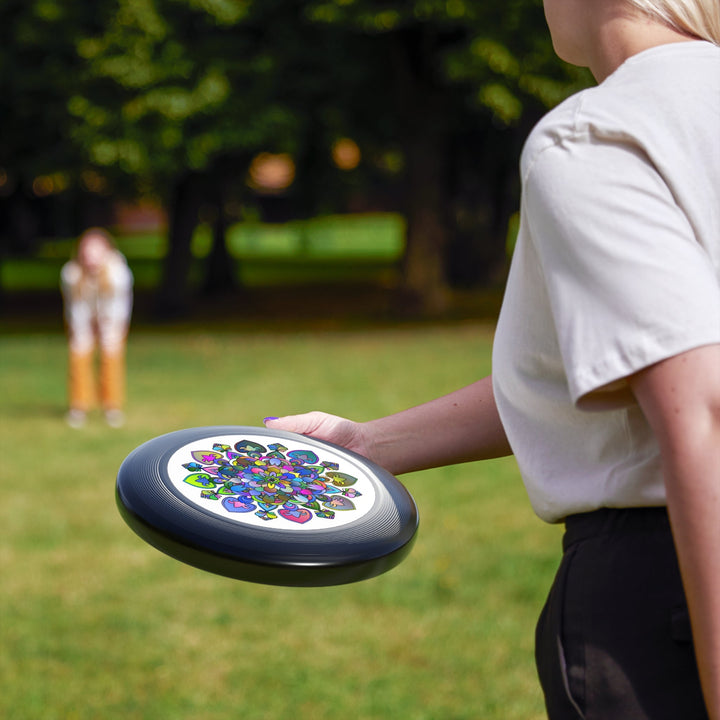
269	418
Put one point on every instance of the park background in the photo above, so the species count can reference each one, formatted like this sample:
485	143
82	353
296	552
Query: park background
318	200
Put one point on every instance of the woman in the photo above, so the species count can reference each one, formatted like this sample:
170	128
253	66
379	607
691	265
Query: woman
97	293
606	365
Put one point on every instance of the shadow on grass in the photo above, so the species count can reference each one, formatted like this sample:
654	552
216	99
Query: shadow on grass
271	309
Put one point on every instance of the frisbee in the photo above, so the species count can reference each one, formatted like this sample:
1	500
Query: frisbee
266	506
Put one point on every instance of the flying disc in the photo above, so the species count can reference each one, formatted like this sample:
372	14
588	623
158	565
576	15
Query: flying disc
266	506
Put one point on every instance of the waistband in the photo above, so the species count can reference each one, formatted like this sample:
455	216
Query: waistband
608	521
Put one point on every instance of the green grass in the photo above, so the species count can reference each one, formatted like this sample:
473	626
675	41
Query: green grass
96	624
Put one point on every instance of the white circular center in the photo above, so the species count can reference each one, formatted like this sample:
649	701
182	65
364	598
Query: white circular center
267	482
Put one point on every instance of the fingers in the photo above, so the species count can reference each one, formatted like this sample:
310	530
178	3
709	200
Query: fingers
321	426
305	424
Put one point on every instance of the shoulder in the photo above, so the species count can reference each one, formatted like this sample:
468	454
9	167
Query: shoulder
553	130
648	105
594	117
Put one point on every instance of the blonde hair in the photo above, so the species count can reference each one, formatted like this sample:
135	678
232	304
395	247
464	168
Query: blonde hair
699	18
98	233
86	285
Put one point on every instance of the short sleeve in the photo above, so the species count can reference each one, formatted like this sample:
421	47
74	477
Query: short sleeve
628	282
69	277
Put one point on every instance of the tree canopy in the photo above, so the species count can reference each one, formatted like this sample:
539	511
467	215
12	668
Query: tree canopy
175	98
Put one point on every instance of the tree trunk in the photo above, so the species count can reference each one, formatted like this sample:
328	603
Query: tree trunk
424	274
174	295
220	267
424	144
485	194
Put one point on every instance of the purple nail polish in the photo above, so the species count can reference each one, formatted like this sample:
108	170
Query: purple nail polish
269	418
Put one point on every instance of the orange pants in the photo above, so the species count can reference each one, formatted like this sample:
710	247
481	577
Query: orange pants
83	390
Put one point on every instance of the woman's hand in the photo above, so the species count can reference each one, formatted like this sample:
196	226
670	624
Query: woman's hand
460	427
323	426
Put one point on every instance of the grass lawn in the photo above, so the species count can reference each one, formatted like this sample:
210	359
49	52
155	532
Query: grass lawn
96	624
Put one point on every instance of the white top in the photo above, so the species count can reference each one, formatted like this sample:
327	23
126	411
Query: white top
97	308
617	266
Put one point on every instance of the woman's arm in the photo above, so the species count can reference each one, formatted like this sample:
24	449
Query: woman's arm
681	400
459	427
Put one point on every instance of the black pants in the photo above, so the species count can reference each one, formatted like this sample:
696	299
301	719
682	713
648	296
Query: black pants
613	641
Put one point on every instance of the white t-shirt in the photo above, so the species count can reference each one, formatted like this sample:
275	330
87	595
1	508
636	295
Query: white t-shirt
97	308
617	266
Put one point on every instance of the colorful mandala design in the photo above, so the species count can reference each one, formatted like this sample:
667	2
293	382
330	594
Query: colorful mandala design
272	482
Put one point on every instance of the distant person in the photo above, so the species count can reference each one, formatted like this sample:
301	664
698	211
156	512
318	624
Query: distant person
97	294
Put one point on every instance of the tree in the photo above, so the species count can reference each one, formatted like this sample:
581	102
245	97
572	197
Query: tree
461	72
175	98
183	94
38	68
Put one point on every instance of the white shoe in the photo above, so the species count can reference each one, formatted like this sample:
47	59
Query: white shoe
75	418
115	418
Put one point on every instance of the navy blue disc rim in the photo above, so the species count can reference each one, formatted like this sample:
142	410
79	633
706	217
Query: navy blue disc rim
155	510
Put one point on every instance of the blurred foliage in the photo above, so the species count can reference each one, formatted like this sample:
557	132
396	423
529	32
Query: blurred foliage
172	84
148	88
174	98
499	52
40	69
